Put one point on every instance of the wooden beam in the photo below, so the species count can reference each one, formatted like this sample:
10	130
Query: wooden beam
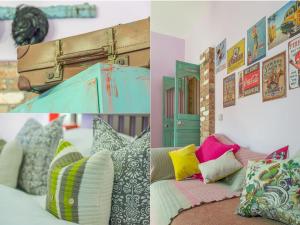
56	12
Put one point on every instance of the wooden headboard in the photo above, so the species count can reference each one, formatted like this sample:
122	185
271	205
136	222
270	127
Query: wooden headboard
131	125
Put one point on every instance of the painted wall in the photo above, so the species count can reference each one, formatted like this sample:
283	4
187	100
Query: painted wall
261	126
109	13
165	50
11	123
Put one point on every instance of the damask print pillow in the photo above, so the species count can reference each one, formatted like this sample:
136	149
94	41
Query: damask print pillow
106	138
272	190
39	144
131	189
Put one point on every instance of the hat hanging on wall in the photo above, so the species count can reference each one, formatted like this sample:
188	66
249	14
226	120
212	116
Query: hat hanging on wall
30	25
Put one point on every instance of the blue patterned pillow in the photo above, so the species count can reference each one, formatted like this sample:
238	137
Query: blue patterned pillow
39	144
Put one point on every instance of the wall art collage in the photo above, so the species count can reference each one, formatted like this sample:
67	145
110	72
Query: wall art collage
276	29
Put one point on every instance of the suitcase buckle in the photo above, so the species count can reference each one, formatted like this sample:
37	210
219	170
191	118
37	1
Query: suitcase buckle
55	75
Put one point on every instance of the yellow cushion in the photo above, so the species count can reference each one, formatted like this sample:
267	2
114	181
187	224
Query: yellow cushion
185	162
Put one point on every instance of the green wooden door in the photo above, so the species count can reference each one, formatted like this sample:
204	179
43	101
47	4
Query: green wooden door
168	111
186	116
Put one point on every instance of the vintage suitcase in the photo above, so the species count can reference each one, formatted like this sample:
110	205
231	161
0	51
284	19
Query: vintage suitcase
102	88
44	65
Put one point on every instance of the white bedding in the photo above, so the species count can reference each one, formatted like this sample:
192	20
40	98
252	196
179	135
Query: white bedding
19	208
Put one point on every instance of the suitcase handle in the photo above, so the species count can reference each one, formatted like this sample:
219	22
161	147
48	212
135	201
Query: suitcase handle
61	59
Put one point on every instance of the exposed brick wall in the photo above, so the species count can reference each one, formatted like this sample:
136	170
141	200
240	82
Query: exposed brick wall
10	96
207	94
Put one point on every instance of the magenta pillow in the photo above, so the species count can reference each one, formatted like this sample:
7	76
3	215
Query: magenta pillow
279	154
212	148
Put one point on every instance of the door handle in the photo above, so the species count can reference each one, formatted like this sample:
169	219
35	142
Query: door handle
166	125
180	123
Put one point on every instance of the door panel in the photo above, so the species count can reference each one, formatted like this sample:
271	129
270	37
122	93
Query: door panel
168	111
186	114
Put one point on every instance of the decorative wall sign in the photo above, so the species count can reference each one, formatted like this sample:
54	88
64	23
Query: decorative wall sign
256	42
241	83
283	24
249	80
30	25
274	77
294	63
229	91
236	56
220	56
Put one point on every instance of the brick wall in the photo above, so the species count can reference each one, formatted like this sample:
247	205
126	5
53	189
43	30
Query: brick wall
207	94
10	96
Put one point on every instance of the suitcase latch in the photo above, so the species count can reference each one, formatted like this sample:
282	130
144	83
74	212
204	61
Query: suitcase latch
122	60
57	74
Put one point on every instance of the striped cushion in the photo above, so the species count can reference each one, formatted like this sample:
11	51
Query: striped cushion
79	188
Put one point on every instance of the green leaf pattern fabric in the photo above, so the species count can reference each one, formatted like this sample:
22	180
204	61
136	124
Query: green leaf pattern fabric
272	190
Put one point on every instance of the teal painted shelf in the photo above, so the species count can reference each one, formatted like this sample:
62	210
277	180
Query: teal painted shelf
102	88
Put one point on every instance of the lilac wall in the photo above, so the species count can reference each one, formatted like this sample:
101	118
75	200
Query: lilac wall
165	50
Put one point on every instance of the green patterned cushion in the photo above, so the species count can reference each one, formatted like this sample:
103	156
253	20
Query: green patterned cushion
39	144
79	188
272	190
106	138
131	190
236	181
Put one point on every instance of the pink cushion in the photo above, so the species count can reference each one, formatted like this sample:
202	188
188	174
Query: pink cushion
279	154
244	155
213	149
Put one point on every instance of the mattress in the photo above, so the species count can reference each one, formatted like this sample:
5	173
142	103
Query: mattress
19	208
217	213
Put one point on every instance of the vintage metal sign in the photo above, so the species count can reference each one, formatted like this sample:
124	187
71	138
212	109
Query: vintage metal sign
220	56
256	42
249	80
236	56
274	77
294	63
284	23
229	91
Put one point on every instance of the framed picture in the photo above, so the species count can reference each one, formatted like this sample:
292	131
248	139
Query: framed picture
236	56
294	63
241	83
274	77
283	24
256	42
220	56
229	91
249	80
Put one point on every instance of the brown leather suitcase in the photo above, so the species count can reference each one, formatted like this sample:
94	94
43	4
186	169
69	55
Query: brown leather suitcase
44	65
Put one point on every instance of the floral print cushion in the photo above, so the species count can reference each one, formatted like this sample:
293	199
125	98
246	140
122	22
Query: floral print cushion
272	190
279	154
39	144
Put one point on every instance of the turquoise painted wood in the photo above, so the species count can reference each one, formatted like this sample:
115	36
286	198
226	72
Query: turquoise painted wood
102	88
168	111
56	12
186	126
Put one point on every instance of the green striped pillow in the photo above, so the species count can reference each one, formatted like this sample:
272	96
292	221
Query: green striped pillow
79	188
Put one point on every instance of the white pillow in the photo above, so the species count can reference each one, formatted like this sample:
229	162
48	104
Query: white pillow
219	168
10	161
